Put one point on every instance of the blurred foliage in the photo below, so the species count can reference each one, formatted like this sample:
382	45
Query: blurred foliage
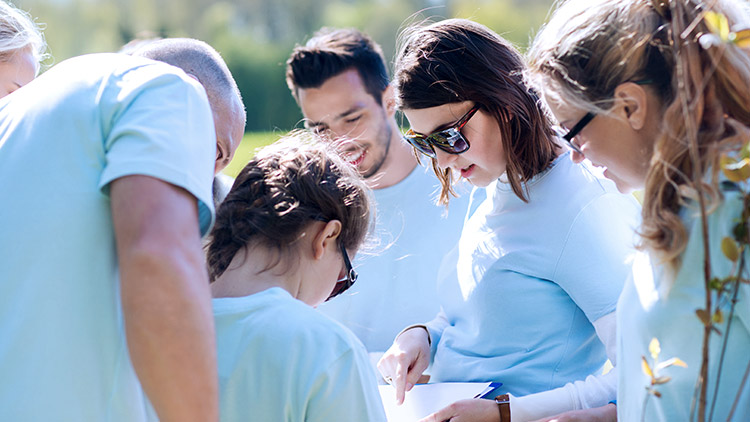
250	144
256	36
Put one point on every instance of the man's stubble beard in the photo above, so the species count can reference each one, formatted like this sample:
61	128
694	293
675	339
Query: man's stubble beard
385	132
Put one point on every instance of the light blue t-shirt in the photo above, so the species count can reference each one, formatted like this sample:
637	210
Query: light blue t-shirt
653	307
397	284
281	360
63	138
528	279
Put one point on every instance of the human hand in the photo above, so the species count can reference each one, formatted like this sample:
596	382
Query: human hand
405	361
469	410
606	413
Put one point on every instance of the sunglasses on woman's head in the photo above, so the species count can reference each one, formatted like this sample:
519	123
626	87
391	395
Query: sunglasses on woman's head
346	281
449	140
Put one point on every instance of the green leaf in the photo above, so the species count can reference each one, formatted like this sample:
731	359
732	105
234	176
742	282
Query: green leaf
718	317
730	249
740	232
716	284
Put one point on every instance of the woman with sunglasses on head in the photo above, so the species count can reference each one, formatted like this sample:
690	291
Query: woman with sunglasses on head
529	296
281	245
664	86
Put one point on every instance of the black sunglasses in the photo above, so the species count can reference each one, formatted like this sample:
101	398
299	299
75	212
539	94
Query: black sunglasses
577	128
347	280
449	140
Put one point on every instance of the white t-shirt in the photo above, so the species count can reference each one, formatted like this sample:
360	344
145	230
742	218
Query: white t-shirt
63	138
655	306
281	360
528	283
397	284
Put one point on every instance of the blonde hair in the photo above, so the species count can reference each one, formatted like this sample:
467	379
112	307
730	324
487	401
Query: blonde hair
18	31
590	47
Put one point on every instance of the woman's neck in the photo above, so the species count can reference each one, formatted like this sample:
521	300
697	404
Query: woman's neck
245	275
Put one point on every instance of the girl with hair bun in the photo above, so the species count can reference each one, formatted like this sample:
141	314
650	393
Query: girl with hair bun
22	48
528	295
658	93
282	244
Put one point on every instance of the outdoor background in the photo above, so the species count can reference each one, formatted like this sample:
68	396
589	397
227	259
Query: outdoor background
255	37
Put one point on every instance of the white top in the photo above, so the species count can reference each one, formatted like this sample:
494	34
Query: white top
282	361
397	280
655	306
529	300
63	138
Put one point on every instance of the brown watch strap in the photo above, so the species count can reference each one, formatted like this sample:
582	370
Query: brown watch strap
503	404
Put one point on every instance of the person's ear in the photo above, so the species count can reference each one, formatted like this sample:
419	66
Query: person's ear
326	236
631	103
389	100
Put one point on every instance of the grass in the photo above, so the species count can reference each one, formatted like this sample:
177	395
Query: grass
251	142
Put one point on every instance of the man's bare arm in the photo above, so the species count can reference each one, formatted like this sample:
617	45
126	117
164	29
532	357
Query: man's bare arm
165	297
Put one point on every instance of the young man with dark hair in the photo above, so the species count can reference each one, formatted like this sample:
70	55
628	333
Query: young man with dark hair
340	82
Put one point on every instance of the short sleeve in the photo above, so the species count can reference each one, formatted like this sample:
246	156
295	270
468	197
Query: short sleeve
157	122
597	255
346	391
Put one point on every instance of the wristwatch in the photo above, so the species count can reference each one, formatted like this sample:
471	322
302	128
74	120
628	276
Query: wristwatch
503	404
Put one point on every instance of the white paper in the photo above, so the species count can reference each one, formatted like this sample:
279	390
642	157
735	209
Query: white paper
425	399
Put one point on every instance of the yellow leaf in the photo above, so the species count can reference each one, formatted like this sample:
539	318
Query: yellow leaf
736	171
718	24
730	249
703	316
679	362
646	367
660	380
718	317
745	151
742	38
654	348
671	362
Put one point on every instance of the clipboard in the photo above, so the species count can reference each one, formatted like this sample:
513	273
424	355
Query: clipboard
425	399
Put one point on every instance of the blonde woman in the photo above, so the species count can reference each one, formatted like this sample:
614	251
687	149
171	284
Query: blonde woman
22	48
657	93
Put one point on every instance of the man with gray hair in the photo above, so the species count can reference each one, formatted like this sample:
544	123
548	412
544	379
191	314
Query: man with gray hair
201	62
105	294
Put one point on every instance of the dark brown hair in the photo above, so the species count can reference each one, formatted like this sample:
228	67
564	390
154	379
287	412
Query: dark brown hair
459	60
289	184
331	52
